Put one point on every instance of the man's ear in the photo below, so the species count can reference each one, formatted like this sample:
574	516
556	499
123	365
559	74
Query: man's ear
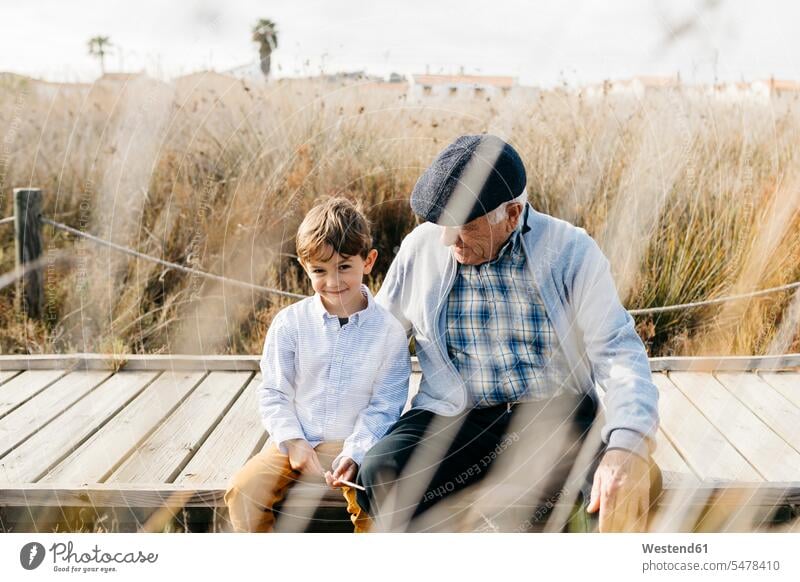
514	211
369	262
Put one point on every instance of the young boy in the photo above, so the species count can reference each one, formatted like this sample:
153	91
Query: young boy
335	374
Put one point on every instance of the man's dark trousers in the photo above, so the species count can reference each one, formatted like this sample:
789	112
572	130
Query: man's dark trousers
477	439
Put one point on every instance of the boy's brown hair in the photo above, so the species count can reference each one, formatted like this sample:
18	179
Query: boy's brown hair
337	222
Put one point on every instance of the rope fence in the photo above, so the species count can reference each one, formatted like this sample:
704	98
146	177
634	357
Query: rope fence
20	272
716	301
176	266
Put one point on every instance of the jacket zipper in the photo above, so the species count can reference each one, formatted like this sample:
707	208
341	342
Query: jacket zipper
440	341
561	341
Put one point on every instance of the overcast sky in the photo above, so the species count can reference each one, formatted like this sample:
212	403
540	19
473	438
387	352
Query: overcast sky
540	42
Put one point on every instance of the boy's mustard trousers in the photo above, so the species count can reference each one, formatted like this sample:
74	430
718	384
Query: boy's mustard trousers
264	481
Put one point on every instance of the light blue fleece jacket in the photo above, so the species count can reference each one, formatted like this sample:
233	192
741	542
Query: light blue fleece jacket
574	280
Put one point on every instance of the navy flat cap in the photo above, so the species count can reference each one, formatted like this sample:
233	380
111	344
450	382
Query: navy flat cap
469	178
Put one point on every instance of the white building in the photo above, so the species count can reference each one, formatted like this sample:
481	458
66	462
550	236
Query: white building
423	87
636	87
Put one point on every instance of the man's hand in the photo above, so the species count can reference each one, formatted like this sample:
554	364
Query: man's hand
303	457
346	470
621	491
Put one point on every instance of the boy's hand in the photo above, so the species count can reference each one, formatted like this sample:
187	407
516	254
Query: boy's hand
346	470
303	457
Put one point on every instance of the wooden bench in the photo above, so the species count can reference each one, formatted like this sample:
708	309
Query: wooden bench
152	436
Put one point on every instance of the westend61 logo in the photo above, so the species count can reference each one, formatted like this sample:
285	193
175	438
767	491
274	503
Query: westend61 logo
65	559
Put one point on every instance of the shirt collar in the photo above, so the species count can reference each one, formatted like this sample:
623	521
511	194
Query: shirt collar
358	317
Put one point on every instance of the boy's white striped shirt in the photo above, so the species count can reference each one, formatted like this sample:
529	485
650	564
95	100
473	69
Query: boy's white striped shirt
326	382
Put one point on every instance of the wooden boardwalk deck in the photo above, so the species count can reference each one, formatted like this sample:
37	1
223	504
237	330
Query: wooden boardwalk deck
170	430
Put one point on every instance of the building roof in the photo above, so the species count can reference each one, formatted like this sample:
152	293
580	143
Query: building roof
782	85
477	80
122	76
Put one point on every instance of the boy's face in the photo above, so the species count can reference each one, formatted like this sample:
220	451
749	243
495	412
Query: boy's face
338	280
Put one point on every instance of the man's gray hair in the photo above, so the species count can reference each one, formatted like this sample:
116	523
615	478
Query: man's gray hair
501	212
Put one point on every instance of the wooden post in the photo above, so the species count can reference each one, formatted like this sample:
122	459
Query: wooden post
28	243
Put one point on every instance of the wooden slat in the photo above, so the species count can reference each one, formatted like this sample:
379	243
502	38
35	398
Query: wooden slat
107	448
231	444
89	361
774	459
112	362
160	494
109	495
674	469
781	415
787	383
699	442
45	406
32	459
161	457
5	376
725	363
23	386
101	454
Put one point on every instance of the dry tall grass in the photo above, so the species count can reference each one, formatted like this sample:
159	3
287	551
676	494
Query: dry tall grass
690	197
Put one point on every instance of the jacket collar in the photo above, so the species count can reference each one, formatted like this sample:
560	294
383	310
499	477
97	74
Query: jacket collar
536	226
525	226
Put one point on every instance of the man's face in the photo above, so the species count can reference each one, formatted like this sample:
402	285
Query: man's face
478	241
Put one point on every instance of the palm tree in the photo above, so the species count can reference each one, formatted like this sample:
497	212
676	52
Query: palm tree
265	33
98	47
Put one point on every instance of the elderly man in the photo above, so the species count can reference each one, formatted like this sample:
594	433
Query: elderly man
516	319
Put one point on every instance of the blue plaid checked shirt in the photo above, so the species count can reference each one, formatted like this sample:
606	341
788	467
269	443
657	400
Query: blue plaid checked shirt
498	334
